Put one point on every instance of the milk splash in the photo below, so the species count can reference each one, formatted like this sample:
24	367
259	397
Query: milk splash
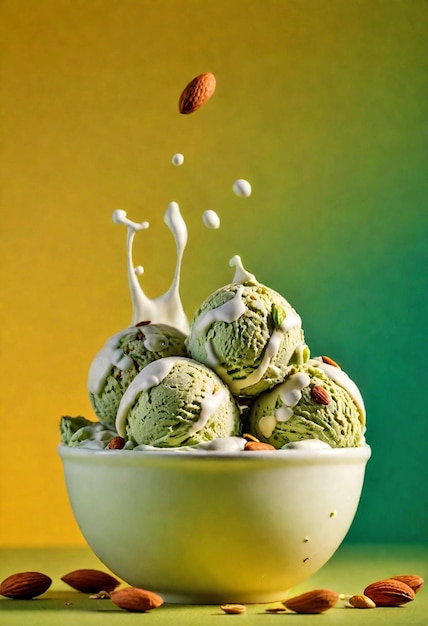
167	308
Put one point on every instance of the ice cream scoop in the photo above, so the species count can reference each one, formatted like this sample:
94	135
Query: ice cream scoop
316	401
80	432
248	333
122	357
176	401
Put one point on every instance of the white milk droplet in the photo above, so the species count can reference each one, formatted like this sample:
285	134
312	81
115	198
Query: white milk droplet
177	159
242	188
211	219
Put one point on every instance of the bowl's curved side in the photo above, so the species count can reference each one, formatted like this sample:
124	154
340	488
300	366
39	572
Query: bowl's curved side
212	530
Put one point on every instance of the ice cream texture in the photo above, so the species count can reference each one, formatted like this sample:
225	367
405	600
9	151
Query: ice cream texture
176	401
248	333
81	432
315	401
123	356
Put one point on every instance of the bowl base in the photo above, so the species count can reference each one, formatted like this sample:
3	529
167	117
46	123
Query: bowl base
223	598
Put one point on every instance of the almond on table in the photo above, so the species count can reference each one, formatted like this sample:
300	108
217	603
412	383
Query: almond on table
90	581
389	592
413	581
136	600
25	585
361	602
315	601
233	609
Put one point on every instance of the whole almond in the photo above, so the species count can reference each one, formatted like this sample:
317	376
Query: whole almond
326	359
320	395
233	609
197	93
315	601
25	585
116	443
90	580
136	600
362	602
413	581
389	592
258	445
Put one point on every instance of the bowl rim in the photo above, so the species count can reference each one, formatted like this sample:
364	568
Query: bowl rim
362	453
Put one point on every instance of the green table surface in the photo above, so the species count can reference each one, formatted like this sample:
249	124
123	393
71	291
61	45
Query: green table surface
348	572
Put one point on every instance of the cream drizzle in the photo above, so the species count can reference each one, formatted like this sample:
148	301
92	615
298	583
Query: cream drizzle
209	405
167	308
292	320
241	274
228	312
111	355
153	375
290	392
342	379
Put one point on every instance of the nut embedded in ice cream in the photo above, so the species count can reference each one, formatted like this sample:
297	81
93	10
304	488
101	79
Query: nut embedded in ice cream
316	401
174	402
248	333
122	357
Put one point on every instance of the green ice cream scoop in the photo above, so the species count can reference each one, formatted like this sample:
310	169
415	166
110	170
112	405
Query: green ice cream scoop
177	402
123	356
249	334
80	432
316	401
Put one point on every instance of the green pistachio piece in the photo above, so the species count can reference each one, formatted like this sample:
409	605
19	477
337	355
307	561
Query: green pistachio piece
278	315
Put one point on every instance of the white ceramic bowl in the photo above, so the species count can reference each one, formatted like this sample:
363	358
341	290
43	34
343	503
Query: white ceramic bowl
215	527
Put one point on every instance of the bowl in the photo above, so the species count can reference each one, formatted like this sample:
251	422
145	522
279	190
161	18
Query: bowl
214	527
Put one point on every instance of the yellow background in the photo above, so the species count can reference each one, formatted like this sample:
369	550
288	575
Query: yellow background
318	104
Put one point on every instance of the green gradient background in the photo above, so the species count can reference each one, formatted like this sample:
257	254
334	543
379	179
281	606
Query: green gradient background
321	104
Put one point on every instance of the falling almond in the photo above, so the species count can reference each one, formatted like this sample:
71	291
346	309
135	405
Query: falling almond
197	93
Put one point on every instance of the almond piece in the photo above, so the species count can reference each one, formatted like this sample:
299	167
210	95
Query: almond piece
413	581
101	595
320	395
197	93
362	602
257	445
389	592
250	437
233	609
116	443
326	359
25	585
90	580
136	600
315	601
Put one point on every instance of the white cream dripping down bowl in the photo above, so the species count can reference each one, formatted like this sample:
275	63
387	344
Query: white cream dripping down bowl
214	527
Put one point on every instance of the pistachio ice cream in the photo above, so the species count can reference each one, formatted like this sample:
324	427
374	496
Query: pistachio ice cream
123	356
177	402
80	432
316	401
242	363
249	334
